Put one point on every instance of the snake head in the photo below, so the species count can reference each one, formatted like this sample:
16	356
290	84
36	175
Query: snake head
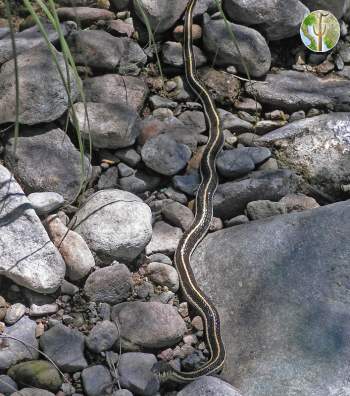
162	370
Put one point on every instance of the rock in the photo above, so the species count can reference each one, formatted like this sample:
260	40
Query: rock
242	219
102	337
108	179
160	258
165	238
172	54
337	8
254	49
157	101
32	392
231	198
112	126
207	386
74	250
195	120
96	380
266	126
65	347
287	90
125	170
122	392
36	373
119	28
126	221
149	324
277	21
234	123
285	273
114	88
85	16
224	88
38	102
160	15
14	313
68	288
27	257
163	275
30	38
299	202
45	202
13	351
261	209
56	165
112	284
163	155
43	310
234	163
187	183
178	215
129	156
140	182
135	370
317	148
7	385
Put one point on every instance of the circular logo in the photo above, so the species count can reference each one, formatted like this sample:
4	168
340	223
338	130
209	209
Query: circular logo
320	31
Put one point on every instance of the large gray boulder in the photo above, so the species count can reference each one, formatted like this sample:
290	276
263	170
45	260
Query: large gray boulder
281	288
291	91
278	19
318	148
28	257
43	96
253	47
46	160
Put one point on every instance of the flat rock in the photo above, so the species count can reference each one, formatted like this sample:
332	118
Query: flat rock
283	298
254	48
13	351
135	369
30	38
149	324
45	202
161	15
112	125
102	337
277	20
111	285
27	256
231	198
207	386
115	224
318	148
38	102
65	347
84	16
291	91
165	238
114	88
46	160
32	392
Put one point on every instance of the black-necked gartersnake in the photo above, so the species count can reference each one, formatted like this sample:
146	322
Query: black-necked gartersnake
203	216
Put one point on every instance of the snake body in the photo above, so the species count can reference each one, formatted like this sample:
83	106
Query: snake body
198	229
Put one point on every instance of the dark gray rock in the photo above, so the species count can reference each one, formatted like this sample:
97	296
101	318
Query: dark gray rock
129	156
337	7
30	38
234	163
46	160
65	347
28	257
253	46
178	215
281	290
207	386
188	183
164	155
278	20
108	179
318	148
96	380
135	370
292	91
114	88
149	324
140	182
112	126
38	102
32	392
7	385
102	337
231	198
112	284
172	54
13	351
126	221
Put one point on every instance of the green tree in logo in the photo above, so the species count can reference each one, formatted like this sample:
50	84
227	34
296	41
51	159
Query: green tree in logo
320	31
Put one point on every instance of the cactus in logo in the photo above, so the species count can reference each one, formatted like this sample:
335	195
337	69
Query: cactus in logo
321	29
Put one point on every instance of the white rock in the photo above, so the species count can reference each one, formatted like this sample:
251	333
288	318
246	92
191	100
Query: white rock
45	202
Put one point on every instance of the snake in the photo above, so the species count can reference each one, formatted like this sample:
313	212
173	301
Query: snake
200	225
